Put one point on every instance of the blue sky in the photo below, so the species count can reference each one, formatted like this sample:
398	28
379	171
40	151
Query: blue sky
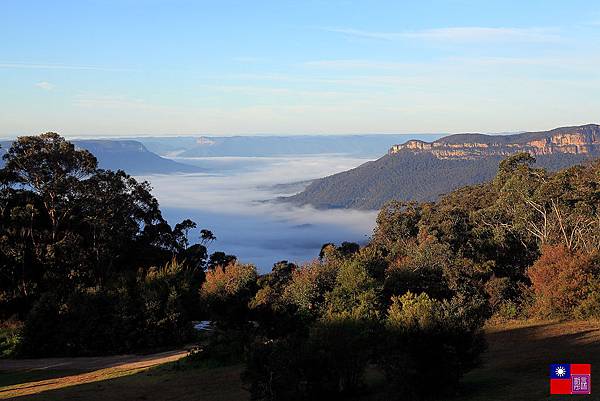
157	67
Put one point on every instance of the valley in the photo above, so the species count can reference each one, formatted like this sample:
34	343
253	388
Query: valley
425	171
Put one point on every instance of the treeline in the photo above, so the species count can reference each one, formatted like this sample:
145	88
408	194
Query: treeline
411	304
90	266
87	261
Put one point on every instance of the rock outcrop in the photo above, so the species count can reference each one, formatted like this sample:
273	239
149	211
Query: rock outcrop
582	140
424	171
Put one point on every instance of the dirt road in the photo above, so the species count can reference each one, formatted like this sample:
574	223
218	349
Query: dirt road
92	369
91	363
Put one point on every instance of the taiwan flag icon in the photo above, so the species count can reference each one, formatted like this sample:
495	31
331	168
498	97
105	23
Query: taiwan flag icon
570	378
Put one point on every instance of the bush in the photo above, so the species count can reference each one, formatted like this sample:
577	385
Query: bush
83	324
272	369
221	348
227	292
168	299
589	307
328	364
152	313
508	299
560	279
309	287
355	295
429	342
420	269
10	338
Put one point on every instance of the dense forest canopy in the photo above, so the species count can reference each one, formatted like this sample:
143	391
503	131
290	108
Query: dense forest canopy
408	176
69	230
90	266
414	300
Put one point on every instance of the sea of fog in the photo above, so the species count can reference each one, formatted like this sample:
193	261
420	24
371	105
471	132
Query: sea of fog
234	199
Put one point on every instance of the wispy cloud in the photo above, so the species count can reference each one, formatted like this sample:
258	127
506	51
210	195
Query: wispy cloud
252	90
460	34
58	67
47	86
486	34
111	102
372	64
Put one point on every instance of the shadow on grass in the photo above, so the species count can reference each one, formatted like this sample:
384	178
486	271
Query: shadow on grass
33	375
164	382
515	366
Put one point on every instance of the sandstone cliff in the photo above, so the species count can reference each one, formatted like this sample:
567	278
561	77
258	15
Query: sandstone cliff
582	140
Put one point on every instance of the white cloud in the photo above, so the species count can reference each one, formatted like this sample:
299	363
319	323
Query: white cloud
483	34
47	86
460	34
34	66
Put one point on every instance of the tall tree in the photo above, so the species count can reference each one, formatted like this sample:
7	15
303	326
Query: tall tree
52	167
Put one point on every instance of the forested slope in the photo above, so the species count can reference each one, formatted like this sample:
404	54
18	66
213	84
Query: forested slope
408	176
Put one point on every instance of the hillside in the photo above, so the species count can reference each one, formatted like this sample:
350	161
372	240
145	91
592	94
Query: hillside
422	171
131	156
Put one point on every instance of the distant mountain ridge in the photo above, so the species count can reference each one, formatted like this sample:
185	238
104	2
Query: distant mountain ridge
583	139
128	155
423	171
369	145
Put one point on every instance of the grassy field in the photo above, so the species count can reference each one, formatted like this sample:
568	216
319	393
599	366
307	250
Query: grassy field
516	364
515	368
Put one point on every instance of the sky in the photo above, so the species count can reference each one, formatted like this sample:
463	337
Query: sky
158	67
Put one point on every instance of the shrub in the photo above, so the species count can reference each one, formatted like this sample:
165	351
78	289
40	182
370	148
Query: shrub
151	312
227	292
589	307
273	369
328	364
168	303
222	347
85	323
342	347
508	299
560	279
309	287
355	295
420	269
429	341
10	338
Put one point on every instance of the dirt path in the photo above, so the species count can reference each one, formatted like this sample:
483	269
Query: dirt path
91	363
93	369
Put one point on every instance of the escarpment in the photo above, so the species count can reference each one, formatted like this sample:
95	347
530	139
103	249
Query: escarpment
424	171
582	140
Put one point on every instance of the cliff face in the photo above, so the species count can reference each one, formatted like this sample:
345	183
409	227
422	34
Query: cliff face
582	140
